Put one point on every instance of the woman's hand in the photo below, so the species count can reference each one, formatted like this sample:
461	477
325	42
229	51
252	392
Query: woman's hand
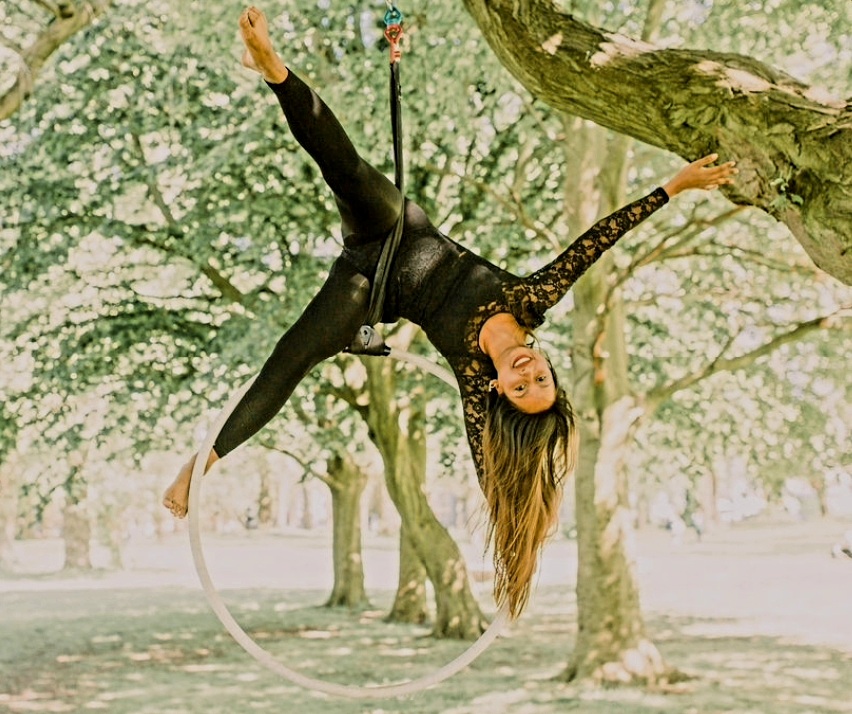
700	174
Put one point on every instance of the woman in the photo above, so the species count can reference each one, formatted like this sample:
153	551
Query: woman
480	318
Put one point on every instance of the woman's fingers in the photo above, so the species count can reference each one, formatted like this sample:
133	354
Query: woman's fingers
715	176
705	160
702	175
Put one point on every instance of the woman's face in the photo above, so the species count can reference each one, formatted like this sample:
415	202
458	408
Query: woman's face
524	377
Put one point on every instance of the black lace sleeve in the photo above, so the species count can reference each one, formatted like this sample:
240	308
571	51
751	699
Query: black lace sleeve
549	285
473	384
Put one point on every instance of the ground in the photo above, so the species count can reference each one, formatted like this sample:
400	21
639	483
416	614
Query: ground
759	613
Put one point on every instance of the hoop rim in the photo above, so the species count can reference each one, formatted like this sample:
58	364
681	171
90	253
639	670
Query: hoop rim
262	656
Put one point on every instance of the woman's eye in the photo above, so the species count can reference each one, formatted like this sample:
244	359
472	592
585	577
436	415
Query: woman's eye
541	379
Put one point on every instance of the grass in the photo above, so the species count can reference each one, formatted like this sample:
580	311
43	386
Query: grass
90	643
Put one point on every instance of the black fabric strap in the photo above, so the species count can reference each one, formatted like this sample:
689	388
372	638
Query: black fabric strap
367	341
377	295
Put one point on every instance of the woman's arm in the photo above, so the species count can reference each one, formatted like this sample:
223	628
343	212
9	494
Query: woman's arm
549	284
474	389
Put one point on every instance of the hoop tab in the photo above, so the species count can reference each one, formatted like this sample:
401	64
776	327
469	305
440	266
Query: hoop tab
393	34
393	31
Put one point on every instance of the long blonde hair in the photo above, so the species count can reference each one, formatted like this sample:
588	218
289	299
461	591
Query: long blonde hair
526	460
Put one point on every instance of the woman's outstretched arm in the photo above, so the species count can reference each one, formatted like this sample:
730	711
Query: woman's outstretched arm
550	284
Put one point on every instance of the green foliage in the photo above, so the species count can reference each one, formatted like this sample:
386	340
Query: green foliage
785	195
160	227
166	228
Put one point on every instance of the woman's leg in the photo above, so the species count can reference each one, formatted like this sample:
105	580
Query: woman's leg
369	203
325	328
327	325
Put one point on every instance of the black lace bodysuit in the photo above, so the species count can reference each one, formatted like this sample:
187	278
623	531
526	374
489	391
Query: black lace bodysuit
434	282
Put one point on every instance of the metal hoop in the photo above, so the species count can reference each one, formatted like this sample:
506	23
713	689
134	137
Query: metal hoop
244	639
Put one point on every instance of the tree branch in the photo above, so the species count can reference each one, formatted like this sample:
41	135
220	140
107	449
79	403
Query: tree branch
349	396
8	44
792	142
49	6
513	207
307	466
839	319
69	19
226	288
686	233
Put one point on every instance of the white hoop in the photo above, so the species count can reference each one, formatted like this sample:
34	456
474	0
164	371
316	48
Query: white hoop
255	650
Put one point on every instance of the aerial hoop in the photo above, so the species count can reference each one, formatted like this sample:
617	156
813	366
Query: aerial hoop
218	605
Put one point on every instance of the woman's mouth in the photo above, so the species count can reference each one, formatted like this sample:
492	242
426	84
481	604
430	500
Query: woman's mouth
521	361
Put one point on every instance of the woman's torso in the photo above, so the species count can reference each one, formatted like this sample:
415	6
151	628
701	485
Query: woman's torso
440	285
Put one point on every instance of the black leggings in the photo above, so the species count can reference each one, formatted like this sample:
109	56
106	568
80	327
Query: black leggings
369	204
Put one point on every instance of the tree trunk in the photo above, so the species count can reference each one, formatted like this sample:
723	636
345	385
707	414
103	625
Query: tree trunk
710	497
398	431
268	496
8	512
383	517
819	486
410	602
612	644
793	144
346	482
302	518
77	527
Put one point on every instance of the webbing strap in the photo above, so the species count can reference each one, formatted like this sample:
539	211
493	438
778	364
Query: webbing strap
377	295
367	340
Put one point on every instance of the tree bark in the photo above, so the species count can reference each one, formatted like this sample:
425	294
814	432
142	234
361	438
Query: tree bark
346	482
612	644
398	432
77	526
793	144
410	604
8	512
70	18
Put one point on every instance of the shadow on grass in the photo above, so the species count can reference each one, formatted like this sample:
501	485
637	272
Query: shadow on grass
139	651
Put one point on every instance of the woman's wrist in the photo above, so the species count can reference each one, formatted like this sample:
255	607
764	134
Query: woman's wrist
672	188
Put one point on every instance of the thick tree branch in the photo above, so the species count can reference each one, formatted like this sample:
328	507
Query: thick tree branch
68	19
655	397
349	396
793	143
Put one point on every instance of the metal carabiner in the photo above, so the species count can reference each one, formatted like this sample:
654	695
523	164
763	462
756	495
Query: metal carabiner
393	16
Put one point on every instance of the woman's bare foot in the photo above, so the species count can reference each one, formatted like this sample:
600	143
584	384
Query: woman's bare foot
259	54
176	497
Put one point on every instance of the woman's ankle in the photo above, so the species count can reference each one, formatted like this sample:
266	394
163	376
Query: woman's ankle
272	68
276	76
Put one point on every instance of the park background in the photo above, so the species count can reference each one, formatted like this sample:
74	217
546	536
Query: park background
160	229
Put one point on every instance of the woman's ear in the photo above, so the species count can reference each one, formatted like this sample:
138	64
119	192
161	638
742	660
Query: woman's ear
495	385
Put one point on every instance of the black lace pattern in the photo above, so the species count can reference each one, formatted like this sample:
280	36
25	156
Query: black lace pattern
529	298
